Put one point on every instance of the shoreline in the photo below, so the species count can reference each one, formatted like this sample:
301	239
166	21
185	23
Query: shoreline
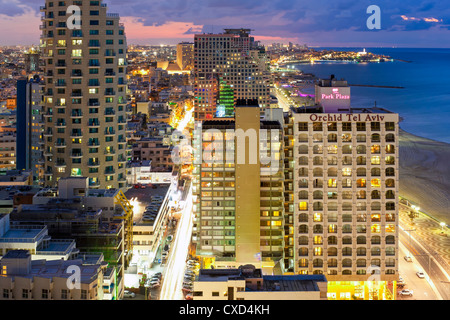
424	174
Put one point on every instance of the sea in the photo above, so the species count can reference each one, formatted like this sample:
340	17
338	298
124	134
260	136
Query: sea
424	101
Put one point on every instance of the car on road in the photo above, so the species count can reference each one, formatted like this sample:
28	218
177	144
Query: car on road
166	248
128	294
155	285
408	259
420	274
189	277
157	274
189	296
170	238
406	292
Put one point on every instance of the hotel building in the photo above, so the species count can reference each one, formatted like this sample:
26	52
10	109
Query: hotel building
238	198
346	193
227	58
84	94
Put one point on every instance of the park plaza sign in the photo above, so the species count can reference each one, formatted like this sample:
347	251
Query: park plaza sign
346	117
335	95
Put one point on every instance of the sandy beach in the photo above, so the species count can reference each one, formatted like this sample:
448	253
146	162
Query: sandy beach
425	174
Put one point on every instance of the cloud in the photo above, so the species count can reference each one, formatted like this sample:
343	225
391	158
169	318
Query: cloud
272	19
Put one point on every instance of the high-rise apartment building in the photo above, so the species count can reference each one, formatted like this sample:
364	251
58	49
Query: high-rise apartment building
238	194
185	55
227	58
29	127
345	181
84	93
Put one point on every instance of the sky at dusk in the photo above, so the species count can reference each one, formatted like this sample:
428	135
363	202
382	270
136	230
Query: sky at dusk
404	23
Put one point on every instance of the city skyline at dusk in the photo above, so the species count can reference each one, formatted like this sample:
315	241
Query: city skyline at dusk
321	23
206	150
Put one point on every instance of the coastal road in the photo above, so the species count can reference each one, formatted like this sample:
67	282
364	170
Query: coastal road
283	101
427	262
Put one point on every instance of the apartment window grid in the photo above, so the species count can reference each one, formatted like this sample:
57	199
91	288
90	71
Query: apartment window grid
323	161
64	80
222	56
216	185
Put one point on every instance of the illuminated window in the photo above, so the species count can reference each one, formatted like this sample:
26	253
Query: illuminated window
375	148
361	183
77	53
303	205
318	240
376	217
332	183
375	183
347	171
375	228
317	217
375	160
318	251
390	228
332	228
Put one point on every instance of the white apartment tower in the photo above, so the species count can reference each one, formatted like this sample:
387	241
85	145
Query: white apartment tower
84	93
227	58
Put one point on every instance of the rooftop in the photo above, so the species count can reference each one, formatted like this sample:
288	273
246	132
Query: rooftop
292	283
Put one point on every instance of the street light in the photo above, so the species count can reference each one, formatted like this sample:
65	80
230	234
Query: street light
442	226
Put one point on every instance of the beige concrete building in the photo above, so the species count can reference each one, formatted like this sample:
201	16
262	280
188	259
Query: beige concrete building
238	199
24	279
84	94
346	194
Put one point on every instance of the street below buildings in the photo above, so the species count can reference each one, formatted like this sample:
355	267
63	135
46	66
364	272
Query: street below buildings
174	269
435	285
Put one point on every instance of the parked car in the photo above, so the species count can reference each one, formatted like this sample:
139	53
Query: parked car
166	248
408	259
420	274
189	277
170	238
189	296
406	292
128	294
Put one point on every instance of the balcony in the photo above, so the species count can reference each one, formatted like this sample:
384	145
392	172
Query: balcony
94	124
93	164
60	125
76	155
76	114
60	164
76	135
110	132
